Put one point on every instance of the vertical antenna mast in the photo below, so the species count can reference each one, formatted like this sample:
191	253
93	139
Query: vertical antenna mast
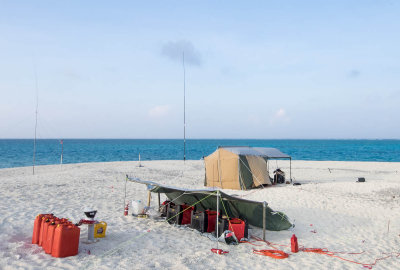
184	108
36	114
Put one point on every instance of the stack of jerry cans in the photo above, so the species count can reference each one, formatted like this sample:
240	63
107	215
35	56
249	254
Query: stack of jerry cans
57	236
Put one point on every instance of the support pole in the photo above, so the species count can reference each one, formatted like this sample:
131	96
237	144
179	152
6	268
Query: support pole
264	218
217	217
148	198
159	201
290	170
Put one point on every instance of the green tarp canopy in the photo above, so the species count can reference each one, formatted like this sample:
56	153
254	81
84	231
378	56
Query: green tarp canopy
231	206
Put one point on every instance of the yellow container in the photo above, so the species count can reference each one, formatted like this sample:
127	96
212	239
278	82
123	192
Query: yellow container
100	229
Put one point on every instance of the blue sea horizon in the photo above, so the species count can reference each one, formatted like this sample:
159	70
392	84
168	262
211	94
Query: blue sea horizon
19	152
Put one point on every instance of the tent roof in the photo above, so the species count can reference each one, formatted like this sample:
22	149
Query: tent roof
232	206
255	151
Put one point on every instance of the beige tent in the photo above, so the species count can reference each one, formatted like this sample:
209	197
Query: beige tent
240	167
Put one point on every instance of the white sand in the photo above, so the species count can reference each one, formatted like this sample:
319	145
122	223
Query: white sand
345	216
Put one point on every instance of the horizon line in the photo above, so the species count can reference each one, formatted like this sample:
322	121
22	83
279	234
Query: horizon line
272	139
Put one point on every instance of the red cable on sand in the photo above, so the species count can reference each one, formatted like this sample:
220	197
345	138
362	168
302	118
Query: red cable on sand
322	251
273	253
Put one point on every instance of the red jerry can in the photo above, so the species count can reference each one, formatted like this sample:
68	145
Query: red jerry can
239	227
48	243
65	241
212	219
187	214
46	224
36	228
43	231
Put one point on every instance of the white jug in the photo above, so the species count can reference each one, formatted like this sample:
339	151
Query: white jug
137	207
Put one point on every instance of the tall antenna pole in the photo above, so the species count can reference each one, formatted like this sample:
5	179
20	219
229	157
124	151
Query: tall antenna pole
184	108
36	114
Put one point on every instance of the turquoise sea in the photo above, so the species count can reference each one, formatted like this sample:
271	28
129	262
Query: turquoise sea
18	153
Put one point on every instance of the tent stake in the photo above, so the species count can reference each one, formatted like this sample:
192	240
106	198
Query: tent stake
264	217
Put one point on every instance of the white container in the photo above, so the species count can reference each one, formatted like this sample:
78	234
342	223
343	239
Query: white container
137	207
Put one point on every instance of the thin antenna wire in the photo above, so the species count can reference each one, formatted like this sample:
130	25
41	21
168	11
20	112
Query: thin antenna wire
184	107
36	114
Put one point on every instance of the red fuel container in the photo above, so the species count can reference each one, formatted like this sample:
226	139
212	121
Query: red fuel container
187	214
36	228
45	219
212	219
46	225
65	241
239	227
48	243
293	244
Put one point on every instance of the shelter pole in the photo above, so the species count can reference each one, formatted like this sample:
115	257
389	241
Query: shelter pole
264	217
148	198
290	170
217	216
159	203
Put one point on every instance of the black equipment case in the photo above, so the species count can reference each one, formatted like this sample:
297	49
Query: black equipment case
199	221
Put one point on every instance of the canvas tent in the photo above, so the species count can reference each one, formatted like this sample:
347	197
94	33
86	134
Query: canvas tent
231	206
240	167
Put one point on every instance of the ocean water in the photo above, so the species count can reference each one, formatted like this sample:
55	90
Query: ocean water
18	153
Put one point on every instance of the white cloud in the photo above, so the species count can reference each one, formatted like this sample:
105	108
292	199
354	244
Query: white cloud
281	113
159	111
279	117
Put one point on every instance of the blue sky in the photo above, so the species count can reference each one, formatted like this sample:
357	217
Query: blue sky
264	69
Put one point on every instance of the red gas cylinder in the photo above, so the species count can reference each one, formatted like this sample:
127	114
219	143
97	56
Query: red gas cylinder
294	244
126	209
65	241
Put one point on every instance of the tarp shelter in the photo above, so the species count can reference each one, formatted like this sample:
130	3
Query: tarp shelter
231	206
241	167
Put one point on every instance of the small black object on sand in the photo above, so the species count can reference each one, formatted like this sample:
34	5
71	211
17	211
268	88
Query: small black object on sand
361	179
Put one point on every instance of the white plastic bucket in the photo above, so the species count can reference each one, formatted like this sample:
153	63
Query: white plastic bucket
137	207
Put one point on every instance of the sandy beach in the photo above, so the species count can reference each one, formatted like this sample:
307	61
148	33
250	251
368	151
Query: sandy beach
329	209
